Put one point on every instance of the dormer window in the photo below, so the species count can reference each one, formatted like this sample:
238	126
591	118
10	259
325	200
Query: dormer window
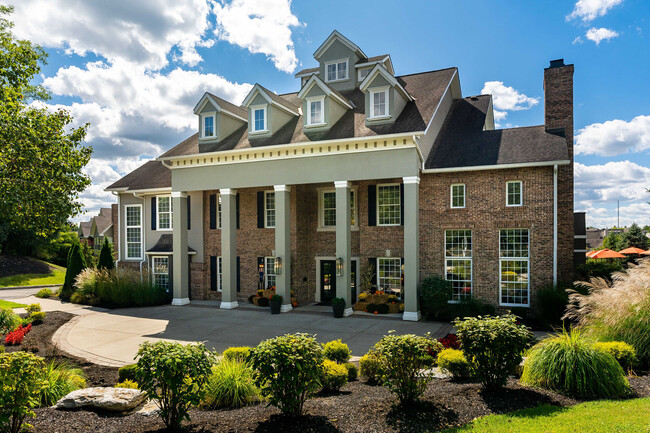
336	71
208	129
379	103
315	114
259	118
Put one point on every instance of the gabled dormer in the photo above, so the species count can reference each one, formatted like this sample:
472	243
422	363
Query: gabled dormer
218	118
337	57
364	67
322	106
385	97
267	112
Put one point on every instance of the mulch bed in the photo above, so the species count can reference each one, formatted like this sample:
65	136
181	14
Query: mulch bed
17	265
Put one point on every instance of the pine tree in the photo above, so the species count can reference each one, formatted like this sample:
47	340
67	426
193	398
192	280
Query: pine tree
613	241
106	257
76	264
635	237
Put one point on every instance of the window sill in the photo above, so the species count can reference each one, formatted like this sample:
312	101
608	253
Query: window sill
264	131
375	118
514	205
333	229
456	207
338	80
165	230
315	125
208	138
389	225
515	305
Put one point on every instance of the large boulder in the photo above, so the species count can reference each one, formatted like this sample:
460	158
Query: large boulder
113	399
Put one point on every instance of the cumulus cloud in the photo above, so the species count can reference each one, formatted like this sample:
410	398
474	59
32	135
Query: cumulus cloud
614	137
506	98
588	10
601	34
260	26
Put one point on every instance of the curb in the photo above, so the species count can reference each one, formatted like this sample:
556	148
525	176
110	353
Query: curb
45	286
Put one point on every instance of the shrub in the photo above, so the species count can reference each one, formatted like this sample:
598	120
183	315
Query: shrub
403	359
263	302
353	372
275	298
44	293
382	308
230	385
129	384
22	377
337	351
174	375
237	353
435	293
127	372
551	303
288	369
8	320
569	364
493	346
466	307
370	367
16	336
452	361
76	264
37	317
622	352
371	308
334	376
33	308
60	379
106	257
598	269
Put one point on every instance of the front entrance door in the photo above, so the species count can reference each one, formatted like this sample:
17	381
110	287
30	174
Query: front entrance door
327	280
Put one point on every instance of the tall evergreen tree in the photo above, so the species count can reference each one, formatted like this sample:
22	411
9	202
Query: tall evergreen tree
635	237
613	241
76	264
106	257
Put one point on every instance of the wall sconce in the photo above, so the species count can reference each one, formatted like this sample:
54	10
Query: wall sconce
339	267
277	268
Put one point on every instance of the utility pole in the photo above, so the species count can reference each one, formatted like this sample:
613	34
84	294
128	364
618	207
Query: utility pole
618	213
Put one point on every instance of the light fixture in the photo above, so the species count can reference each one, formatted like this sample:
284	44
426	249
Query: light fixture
339	267
277	268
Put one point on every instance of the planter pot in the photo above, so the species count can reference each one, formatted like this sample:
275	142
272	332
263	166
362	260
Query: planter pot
338	310
275	306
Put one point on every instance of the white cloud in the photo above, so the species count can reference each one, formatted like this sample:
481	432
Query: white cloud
601	34
577	40
588	10
260	26
507	99
614	137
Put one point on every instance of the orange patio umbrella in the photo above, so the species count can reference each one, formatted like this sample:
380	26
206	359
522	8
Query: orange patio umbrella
607	254
591	253
645	253
632	250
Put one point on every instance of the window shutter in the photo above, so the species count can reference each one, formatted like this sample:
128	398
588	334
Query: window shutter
238	276
189	214
237	207
372	261
401	203
260	209
153	213
213	273
372	205
213	211
260	273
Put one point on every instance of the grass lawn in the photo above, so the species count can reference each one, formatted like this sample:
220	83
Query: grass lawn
56	276
608	416
9	304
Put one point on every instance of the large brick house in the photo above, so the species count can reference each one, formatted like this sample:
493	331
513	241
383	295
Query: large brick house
303	190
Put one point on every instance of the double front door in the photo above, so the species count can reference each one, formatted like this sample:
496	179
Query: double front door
328	281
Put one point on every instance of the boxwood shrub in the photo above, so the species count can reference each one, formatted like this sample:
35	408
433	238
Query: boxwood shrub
621	351
370	367
334	376
240	353
452	361
337	351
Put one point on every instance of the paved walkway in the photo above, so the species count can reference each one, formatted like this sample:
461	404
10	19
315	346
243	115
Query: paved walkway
112	337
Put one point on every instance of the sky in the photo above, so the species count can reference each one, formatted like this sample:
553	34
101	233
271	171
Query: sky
134	70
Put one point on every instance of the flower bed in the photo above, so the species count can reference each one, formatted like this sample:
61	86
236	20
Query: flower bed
16	336
378	303
268	293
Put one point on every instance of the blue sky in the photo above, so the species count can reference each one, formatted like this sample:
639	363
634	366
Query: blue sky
134	70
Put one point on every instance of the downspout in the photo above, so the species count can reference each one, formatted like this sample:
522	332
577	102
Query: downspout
555	225
143	231
119	227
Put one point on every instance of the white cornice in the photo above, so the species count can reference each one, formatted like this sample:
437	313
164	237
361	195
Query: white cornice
496	166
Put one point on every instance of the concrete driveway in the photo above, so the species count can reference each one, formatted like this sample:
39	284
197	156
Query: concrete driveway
112	337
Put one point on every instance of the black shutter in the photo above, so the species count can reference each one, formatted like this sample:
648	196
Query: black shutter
213	211
153	213
260	209
401	202
260	273
238	276
372	261
237	208
213	273
189	215
372	205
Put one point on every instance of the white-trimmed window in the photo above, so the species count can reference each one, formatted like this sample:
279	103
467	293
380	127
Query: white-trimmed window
458	195
379	103
458	262
219	211
363	73
514	267
133	231
208	125
259	118
160	271
269	209
219	275
315	111
269	272
389	275
336	70
164	210
389	207
327	208
514	193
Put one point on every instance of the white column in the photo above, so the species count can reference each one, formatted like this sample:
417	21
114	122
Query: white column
343	242
229	248
283	244
411	247
180	263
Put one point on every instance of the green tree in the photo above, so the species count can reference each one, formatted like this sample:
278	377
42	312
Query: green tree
41	155
106	257
613	241
76	264
635	237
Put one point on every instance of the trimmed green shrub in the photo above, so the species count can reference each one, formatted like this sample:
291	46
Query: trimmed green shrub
551	303
36	318
353	372
76	264
129	384
22	377
44	293
337	351
493	346
452	361
237	353
230	385
403	359
435	293
569	364
33	308
106	257
621	351
288	370
370	367
127	372
174	375
334	376
8	320
61	379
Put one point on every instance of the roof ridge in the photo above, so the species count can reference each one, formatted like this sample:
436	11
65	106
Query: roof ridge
427	72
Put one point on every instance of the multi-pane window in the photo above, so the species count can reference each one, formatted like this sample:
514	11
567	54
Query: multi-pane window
315	115
389	275
269	209
259	119
514	193
269	272
337	71
208	126
165	209
219	275
514	267
458	195
388	205
160	271
458	262
379	103
328	208
219	211
133	232
363	73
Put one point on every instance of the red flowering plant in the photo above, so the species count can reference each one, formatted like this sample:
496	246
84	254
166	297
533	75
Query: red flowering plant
450	341
16	336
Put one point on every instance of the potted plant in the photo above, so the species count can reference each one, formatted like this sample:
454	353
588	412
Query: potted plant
276	304
338	306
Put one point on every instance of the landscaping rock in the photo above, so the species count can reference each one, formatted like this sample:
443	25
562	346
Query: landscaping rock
113	399
150	408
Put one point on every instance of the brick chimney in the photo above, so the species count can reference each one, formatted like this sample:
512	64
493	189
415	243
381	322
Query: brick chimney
558	100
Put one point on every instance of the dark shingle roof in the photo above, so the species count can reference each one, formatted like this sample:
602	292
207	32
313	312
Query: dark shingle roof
104	219
308	71
85	228
280	100
463	143
373	59
240	111
165	244
152	174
